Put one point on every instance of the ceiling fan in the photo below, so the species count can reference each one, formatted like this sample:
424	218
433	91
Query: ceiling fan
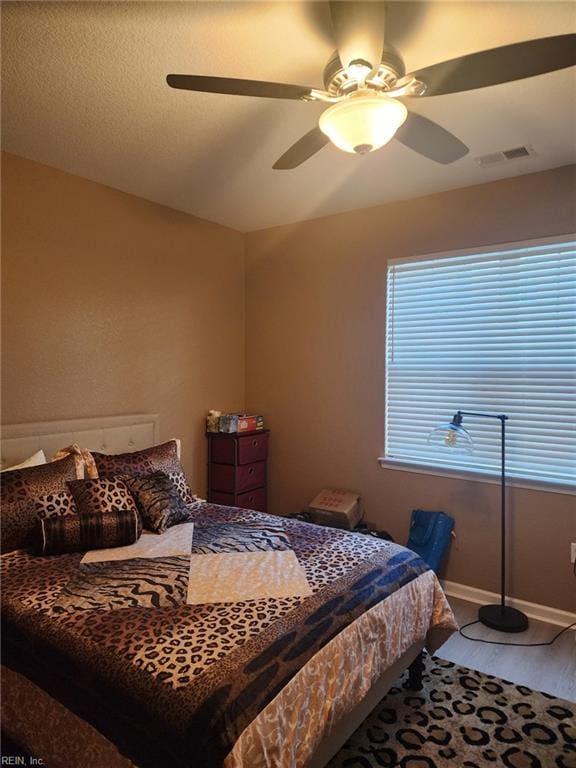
365	81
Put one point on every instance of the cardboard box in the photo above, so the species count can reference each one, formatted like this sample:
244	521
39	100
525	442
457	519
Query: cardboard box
232	423
250	423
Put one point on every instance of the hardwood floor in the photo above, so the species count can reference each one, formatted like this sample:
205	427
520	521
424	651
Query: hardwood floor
550	668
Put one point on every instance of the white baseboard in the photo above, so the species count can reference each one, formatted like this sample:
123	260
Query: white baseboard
532	610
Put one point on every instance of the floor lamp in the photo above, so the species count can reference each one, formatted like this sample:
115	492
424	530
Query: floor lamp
454	437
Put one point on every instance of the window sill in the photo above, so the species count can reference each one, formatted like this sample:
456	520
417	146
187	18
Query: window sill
463	474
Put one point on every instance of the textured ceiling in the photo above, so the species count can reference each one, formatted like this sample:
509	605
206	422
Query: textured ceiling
84	90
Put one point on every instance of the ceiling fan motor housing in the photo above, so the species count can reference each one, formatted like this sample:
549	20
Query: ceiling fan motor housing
339	82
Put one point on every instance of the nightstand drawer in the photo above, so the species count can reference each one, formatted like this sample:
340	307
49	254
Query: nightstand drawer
235	449
252	448
255	499
227	477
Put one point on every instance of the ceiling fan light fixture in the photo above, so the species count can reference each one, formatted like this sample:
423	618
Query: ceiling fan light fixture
359	70
363	122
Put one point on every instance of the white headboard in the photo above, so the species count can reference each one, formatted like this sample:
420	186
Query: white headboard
107	434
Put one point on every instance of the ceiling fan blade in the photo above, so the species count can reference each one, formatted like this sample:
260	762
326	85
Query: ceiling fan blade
499	65
430	139
304	148
238	87
358	30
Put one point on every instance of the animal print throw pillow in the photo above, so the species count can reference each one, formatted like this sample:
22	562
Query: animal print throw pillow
30	493
30	482
158	458
78	533
181	485
19	521
102	495
158	501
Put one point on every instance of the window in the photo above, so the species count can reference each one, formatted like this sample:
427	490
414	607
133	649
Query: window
491	330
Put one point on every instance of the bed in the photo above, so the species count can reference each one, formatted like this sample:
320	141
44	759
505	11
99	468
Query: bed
254	642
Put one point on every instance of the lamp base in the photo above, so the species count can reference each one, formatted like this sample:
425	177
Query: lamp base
503	618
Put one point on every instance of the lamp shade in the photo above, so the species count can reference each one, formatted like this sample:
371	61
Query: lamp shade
363	122
452	437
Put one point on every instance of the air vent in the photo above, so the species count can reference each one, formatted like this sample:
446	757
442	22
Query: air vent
512	154
505	156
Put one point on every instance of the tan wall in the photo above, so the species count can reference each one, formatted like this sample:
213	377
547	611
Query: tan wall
315	369
115	305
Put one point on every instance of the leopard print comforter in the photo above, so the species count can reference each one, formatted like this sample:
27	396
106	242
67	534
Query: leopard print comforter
166	681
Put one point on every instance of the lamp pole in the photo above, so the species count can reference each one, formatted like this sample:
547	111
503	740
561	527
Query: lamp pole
501	617
503	420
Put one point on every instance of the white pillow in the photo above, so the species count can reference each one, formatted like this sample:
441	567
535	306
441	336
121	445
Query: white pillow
32	461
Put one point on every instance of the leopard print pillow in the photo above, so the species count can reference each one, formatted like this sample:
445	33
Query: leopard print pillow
181	484
30	493
20	520
158	501
31	482
158	458
18	524
55	504
102	495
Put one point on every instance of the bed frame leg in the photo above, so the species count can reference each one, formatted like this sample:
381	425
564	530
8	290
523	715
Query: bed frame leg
415	673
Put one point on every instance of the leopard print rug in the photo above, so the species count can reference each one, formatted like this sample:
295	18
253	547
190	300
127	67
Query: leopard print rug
464	719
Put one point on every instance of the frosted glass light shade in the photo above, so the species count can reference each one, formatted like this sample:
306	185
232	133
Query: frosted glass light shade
452	437
363	122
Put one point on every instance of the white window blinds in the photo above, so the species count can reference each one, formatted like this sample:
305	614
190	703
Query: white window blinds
492	331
